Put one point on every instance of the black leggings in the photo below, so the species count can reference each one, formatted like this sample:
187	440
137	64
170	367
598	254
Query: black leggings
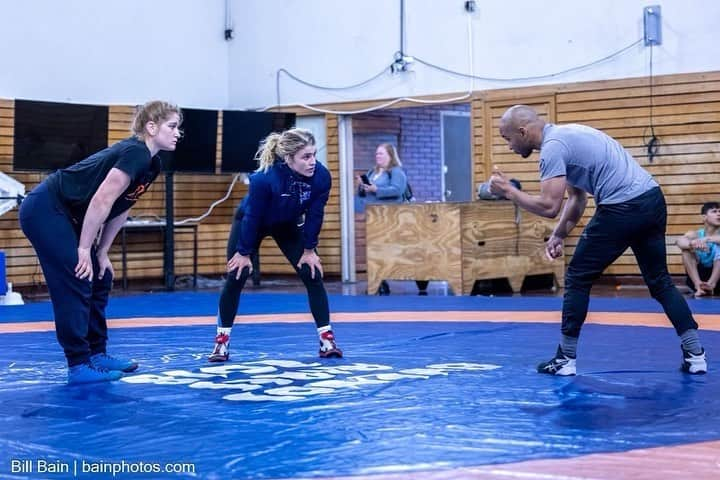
289	238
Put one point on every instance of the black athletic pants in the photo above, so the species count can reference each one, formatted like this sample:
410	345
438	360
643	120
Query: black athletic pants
639	224
78	305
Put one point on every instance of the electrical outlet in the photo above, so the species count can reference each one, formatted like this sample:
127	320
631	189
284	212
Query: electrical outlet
652	25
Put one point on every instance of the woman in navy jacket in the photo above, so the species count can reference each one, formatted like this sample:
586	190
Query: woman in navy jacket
286	201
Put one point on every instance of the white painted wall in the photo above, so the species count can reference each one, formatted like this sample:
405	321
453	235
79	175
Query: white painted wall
128	51
338	43
114	52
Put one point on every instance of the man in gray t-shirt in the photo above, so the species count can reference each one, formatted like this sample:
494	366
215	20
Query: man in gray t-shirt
593	162
631	213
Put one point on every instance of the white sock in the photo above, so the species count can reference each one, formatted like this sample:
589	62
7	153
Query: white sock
224	330
324	329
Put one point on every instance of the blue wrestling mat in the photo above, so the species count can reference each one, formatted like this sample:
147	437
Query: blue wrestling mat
408	397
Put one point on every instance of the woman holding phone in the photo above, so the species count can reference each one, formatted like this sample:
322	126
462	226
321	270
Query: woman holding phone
386	181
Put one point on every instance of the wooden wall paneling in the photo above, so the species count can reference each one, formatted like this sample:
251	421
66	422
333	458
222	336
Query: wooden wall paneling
496	149
686	118
477	112
330	235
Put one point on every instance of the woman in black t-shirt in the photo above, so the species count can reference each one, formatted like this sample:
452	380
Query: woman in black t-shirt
63	216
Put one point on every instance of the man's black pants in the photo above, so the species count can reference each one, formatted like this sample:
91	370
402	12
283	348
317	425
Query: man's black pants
639	224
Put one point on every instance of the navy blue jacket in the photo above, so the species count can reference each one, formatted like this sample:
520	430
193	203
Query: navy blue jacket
280	197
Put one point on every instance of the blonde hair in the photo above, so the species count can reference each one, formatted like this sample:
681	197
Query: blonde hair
154	111
392	153
282	145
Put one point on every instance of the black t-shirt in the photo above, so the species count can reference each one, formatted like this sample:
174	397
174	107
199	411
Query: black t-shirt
75	186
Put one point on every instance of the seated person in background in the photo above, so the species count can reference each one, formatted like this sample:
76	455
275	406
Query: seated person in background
701	252
387	180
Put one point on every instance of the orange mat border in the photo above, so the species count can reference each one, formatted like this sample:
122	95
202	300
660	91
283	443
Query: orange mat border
699	461
706	321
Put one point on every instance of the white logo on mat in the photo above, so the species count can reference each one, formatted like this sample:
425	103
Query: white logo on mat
288	380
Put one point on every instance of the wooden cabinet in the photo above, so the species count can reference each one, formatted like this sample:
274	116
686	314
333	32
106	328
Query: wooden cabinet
458	243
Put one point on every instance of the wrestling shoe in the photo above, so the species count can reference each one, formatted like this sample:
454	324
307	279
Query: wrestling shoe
695	364
328	349
561	365
221	351
104	361
88	373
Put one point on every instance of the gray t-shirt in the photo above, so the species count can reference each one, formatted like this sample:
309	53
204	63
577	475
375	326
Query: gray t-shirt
592	161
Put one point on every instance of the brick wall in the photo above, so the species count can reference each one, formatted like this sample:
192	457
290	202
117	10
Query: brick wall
419	146
364	146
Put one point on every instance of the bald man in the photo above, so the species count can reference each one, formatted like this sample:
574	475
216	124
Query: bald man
631	212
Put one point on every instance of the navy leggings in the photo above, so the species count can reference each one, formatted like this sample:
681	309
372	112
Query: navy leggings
639	224
78	305
289	238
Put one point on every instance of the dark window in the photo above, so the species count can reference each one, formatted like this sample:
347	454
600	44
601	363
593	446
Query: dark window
49	136
196	151
242	134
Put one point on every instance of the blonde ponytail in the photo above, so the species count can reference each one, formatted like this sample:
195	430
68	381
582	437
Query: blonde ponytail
266	153
282	145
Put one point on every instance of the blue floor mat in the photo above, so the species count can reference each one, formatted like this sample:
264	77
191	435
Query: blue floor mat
408	396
